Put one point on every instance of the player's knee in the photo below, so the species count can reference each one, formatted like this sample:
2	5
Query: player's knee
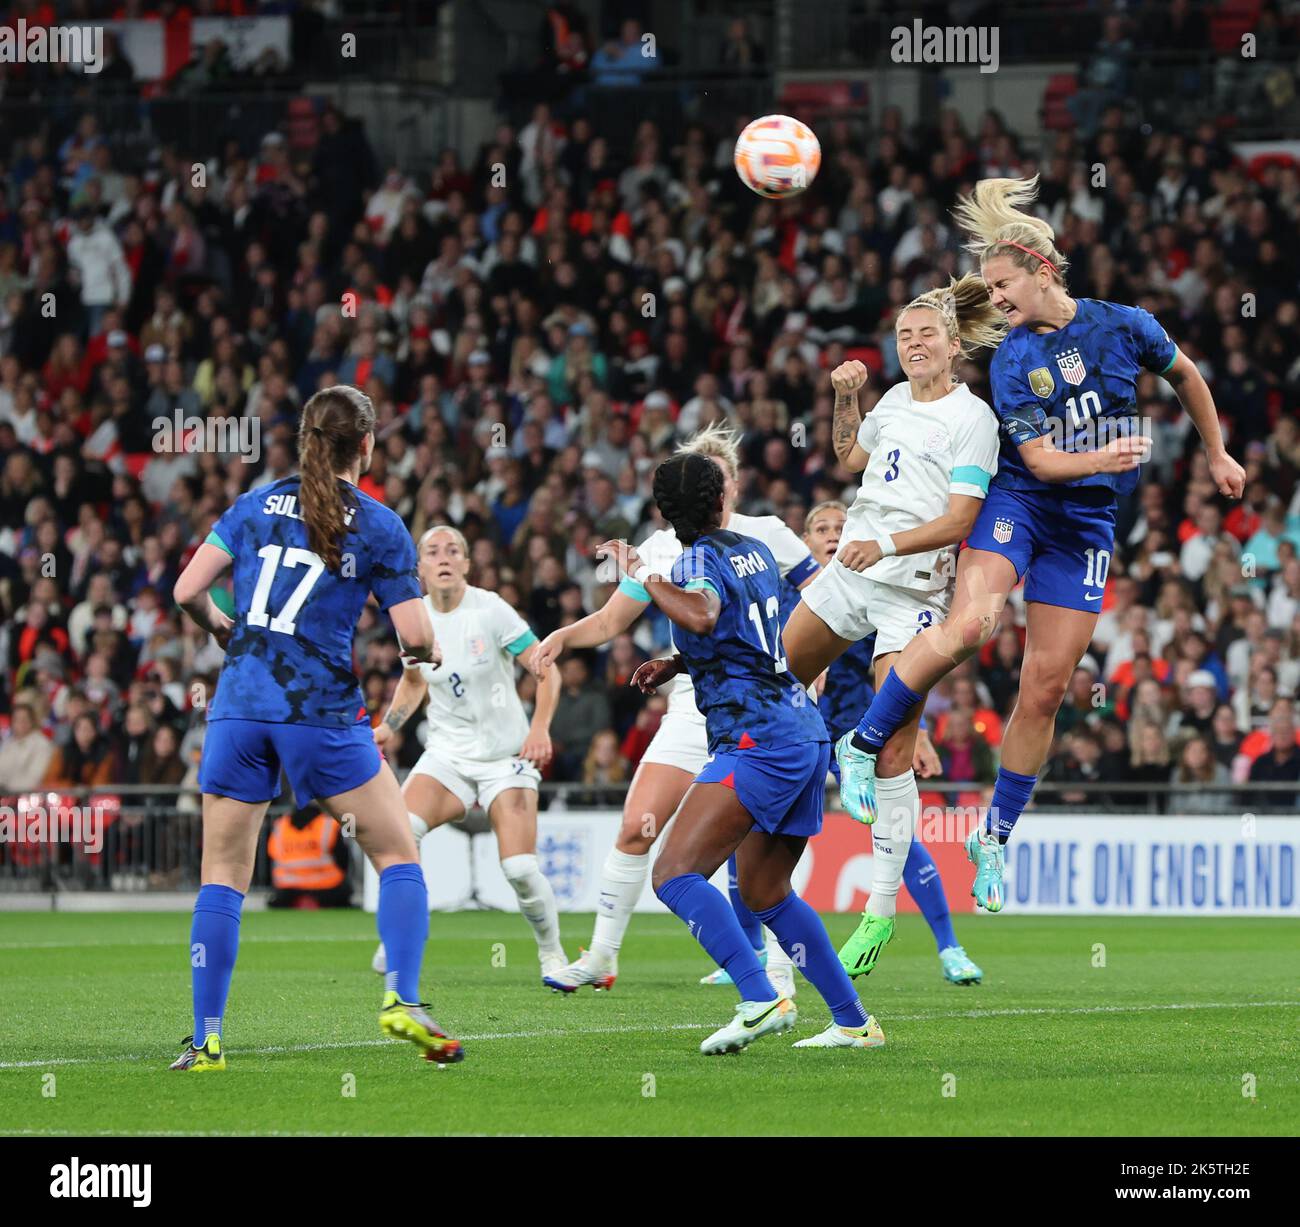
637	834
761	896
1042	687
520	869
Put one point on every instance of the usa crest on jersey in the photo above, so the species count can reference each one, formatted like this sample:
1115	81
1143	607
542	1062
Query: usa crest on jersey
1002	529
1071	366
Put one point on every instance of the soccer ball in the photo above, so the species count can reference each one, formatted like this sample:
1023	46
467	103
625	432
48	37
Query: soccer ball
777	156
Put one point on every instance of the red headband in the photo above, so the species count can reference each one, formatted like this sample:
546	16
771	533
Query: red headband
1032	252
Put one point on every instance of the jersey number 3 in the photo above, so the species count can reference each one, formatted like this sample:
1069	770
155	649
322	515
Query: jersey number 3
271	559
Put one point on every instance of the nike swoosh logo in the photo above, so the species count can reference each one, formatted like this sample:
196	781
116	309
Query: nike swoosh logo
1092	598
751	1023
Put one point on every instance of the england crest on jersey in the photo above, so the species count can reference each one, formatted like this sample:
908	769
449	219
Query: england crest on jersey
1071	366
1002	529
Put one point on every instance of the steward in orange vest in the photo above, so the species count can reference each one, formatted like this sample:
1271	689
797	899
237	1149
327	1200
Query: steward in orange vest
309	861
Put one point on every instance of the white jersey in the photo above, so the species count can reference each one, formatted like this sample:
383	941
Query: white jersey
661	549
474	710
921	452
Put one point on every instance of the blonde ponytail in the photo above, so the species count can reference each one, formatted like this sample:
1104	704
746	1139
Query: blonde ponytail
994	217
969	316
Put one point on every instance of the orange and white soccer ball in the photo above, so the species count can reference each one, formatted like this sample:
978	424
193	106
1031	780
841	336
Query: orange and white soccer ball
777	156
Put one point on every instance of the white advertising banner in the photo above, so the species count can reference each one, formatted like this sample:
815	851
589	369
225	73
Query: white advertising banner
1145	866
1110	864
571	848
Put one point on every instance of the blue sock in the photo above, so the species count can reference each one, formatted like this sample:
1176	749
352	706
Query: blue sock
921	877
748	921
804	938
714	925
888	710
1011	794
214	943
403	921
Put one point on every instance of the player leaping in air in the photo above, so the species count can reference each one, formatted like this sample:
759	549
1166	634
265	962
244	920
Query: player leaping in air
926	453
761	792
479	745
1064	378
306	552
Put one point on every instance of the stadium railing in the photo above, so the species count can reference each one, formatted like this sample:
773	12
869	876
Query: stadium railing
147	838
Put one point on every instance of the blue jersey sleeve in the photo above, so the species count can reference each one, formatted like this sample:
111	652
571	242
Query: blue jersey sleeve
1020	413
225	532
697	568
393	577
1155	350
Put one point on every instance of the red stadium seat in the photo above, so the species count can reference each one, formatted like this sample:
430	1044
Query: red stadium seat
1234	19
808	98
1054	111
869	355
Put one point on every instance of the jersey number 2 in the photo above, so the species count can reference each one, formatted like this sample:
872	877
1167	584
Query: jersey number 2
271	559
773	611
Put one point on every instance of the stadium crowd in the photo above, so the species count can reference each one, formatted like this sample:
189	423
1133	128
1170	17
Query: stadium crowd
537	327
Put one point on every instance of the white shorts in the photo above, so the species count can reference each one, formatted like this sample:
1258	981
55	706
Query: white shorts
853	605
470	779
682	741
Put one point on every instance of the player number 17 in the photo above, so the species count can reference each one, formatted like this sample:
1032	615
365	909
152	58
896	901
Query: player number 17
773	611
284	621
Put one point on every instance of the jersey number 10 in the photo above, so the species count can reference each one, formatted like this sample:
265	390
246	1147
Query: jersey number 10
773	611
271	559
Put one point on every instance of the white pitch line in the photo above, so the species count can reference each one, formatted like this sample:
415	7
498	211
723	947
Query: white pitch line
278	1049
179	942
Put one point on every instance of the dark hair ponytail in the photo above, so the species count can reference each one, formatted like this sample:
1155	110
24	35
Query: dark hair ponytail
334	422
688	490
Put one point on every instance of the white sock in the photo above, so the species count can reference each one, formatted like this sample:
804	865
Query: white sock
777	959
419	828
898	805
536	900
621	882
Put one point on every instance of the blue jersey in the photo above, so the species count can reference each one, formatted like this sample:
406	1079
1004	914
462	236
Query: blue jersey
1071	379
742	685
290	655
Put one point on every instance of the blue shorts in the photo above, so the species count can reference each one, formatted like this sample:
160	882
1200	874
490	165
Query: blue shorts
1062	538
782	787
242	759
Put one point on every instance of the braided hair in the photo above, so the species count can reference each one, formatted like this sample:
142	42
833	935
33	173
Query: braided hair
688	490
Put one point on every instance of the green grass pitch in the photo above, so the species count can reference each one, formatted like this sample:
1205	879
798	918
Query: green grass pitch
1167	1038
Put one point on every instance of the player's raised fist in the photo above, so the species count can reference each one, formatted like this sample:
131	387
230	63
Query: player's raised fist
849	376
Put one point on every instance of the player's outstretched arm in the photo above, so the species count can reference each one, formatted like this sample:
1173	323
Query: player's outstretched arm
1194	395
613	618
695	611
953	526
209	563
1048	463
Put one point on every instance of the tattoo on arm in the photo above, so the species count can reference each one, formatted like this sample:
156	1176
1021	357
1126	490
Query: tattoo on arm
397	717
844	429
